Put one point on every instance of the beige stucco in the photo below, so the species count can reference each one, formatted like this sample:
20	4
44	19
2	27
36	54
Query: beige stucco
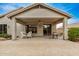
65	29
39	12
53	29
7	21
40	29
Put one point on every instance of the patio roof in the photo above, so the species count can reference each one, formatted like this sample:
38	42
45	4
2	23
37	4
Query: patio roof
22	9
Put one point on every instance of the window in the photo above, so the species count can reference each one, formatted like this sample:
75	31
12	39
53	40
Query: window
3	28
32	28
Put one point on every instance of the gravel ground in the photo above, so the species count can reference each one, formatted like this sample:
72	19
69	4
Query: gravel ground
39	47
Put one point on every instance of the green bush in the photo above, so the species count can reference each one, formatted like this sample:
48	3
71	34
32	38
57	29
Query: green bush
73	34
5	36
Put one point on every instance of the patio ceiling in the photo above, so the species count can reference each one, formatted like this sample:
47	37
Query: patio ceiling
45	20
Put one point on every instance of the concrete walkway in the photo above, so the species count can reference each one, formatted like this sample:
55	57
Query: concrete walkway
38	46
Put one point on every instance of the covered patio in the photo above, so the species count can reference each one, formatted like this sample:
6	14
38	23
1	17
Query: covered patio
39	22
39	16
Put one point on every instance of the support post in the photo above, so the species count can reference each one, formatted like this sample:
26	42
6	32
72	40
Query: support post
14	29
65	29
53	29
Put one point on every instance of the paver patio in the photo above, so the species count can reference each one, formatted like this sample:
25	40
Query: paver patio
38	47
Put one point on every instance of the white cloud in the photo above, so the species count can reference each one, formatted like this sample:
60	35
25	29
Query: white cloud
59	25
9	8
74	20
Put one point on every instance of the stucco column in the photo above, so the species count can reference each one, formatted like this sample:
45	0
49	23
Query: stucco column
40	29
14	29
65	29
53	28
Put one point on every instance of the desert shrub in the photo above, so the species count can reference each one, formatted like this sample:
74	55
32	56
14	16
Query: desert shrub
73	34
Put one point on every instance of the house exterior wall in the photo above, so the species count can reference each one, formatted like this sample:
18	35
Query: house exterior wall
39	31
5	20
53	28
19	27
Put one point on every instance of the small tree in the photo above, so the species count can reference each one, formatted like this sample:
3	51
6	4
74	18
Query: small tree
73	34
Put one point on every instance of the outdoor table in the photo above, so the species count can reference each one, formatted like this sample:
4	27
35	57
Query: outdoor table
55	35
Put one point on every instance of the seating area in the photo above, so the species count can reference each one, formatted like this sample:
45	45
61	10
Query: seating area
55	35
26	35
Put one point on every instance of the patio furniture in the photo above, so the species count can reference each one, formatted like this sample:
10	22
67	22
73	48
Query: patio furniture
23	35
29	34
55	35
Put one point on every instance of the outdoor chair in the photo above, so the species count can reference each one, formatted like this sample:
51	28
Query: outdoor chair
23	35
55	35
29	34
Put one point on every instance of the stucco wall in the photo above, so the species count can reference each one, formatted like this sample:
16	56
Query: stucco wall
39	12
7	21
20	28
39	31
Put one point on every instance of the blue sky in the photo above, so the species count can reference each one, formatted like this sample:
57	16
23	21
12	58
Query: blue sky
71	8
